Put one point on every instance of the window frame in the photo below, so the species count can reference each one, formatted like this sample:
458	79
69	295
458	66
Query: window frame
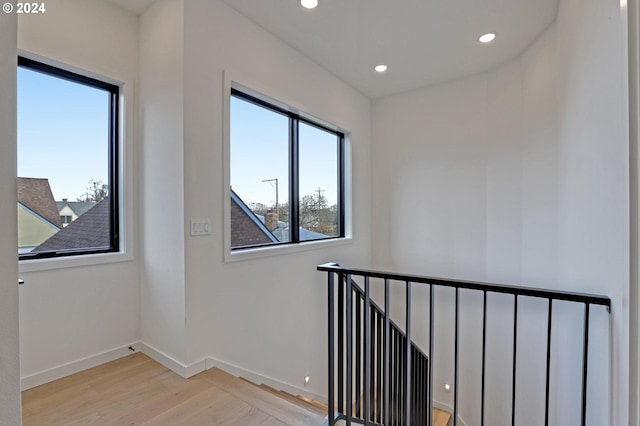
114	92
294	172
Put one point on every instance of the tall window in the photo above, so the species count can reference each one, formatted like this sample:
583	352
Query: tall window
287	176
67	163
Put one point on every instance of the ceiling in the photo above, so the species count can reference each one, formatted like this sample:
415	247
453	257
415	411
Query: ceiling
135	6
423	42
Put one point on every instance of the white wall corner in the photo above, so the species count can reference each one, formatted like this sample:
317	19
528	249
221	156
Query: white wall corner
183	370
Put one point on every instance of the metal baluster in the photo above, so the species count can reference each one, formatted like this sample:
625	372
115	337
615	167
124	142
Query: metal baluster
396	366
456	361
367	352
431	322
380	346
484	353
349	399
401	378
341	354
358	344
513	374
548	372
585	364
372	376
408	354
387	355
331	313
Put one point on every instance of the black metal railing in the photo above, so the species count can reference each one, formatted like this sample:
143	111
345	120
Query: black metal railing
369	354
376	379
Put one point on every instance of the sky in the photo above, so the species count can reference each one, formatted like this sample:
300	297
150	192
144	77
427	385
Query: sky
260	151
63	136
62	133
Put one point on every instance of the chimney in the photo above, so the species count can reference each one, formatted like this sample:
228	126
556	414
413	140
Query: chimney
271	220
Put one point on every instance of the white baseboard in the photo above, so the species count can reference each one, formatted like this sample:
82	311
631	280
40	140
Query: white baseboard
177	367
55	373
260	379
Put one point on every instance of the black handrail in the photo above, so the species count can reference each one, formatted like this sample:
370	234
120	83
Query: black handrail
400	392
473	285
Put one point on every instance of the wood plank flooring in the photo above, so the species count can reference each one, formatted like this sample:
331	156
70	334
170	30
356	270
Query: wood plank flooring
136	390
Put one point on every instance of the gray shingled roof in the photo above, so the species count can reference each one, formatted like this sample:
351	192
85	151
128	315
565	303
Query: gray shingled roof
281	233
91	230
78	207
36	195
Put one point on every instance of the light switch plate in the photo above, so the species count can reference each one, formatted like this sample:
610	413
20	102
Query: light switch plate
200	227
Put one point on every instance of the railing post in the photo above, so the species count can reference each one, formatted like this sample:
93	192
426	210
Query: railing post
331	342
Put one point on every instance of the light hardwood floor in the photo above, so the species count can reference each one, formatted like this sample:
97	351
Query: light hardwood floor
136	390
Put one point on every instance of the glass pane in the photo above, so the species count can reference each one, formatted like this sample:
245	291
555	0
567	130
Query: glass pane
259	175
319	183
63	164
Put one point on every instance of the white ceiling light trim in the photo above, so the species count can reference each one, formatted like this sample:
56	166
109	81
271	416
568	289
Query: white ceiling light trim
309	4
380	68
487	38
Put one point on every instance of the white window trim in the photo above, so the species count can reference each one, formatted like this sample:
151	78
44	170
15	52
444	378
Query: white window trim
125	181
280	249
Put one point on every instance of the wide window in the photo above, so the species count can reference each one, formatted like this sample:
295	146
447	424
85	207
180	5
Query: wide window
67	163
287	176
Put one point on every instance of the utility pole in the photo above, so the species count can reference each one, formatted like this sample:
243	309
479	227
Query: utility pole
276	186
319	191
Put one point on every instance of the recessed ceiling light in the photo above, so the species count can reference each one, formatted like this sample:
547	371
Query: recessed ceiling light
309	4
380	68
487	38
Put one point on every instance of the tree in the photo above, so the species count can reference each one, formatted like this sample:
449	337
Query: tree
258	208
96	191
316	215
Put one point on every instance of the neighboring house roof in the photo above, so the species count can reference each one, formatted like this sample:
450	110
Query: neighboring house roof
78	207
89	230
282	233
36	195
247	229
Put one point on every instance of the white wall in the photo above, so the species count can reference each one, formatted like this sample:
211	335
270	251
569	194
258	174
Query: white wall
266	315
162	190
634	141
9	343
511	176
71	311
518	176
